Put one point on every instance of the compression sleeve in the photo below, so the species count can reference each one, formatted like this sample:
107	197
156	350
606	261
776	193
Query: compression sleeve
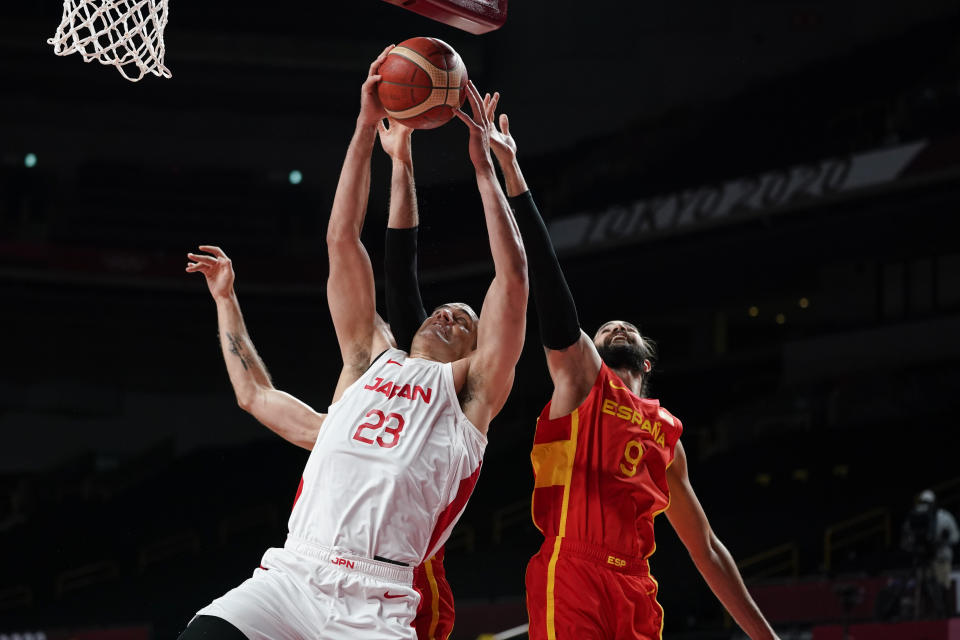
405	312
556	310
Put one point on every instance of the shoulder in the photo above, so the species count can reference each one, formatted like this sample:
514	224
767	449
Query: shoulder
382	330
384	357
671	428
576	365
669	419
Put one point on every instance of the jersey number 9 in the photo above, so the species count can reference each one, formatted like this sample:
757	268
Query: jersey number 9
631	456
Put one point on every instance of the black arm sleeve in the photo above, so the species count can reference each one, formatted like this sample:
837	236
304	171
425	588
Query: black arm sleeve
405	312
556	311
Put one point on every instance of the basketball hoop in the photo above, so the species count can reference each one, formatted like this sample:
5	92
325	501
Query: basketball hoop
127	34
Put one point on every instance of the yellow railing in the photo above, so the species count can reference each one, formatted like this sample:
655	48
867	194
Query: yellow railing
783	560
869	524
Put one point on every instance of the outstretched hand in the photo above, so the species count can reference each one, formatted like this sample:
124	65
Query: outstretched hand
395	138
371	110
479	127
501	142
216	268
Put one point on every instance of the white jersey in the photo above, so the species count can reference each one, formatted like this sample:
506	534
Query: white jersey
393	465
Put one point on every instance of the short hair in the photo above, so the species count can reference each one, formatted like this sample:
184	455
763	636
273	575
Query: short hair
470	312
462	305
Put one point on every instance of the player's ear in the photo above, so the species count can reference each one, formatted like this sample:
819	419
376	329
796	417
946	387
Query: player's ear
647	366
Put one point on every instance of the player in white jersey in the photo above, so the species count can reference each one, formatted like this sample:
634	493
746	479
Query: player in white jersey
400	450
405	313
294	420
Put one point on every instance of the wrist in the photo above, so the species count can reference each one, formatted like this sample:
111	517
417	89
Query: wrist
513	178
365	126
484	167
403	161
227	297
485	174
504	155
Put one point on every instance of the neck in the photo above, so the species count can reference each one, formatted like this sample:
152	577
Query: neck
432	349
633	379
423	355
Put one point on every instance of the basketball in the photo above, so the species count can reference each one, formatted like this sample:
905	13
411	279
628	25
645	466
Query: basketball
422	82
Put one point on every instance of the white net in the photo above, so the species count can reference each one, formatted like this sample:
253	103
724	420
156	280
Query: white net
127	34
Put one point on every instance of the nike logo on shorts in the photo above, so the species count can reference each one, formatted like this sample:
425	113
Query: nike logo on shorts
391	597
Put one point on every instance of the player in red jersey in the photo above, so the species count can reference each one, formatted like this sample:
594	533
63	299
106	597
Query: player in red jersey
606	461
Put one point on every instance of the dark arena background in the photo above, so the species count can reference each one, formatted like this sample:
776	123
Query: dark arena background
769	189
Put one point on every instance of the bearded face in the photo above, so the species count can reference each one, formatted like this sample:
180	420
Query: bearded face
621	346
623	355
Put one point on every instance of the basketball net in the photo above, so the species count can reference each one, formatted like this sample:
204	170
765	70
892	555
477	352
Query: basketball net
127	34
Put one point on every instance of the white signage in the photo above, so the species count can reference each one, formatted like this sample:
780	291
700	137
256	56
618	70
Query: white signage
720	203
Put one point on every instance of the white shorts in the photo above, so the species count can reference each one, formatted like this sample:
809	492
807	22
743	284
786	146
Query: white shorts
306	591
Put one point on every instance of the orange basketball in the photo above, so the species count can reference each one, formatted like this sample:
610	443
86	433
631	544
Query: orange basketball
422	82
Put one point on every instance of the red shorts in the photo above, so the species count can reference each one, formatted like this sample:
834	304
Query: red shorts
434	619
590	594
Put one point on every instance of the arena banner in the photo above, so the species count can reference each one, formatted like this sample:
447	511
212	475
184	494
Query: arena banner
772	192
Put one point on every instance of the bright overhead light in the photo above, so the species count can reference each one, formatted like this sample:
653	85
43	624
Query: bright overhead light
295	177
30	160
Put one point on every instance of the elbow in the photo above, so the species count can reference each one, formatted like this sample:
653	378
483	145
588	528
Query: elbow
523	285
342	232
512	276
339	235
519	281
517	275
246	400
521	268
516	286
715	552
706	550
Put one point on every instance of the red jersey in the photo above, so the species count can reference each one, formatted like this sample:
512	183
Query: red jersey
600	471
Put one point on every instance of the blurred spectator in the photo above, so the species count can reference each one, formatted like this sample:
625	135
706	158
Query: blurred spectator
929	534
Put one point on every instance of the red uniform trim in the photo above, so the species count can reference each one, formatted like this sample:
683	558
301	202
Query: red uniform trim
448	515
297	497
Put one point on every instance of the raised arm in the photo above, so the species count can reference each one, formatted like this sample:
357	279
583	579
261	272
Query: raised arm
504	312
350	285
572	358
280	412
405	311
709	555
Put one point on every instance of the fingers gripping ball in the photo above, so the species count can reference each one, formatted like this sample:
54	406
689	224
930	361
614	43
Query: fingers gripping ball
423	81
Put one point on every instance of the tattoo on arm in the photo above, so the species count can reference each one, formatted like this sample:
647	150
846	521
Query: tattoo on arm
235	348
